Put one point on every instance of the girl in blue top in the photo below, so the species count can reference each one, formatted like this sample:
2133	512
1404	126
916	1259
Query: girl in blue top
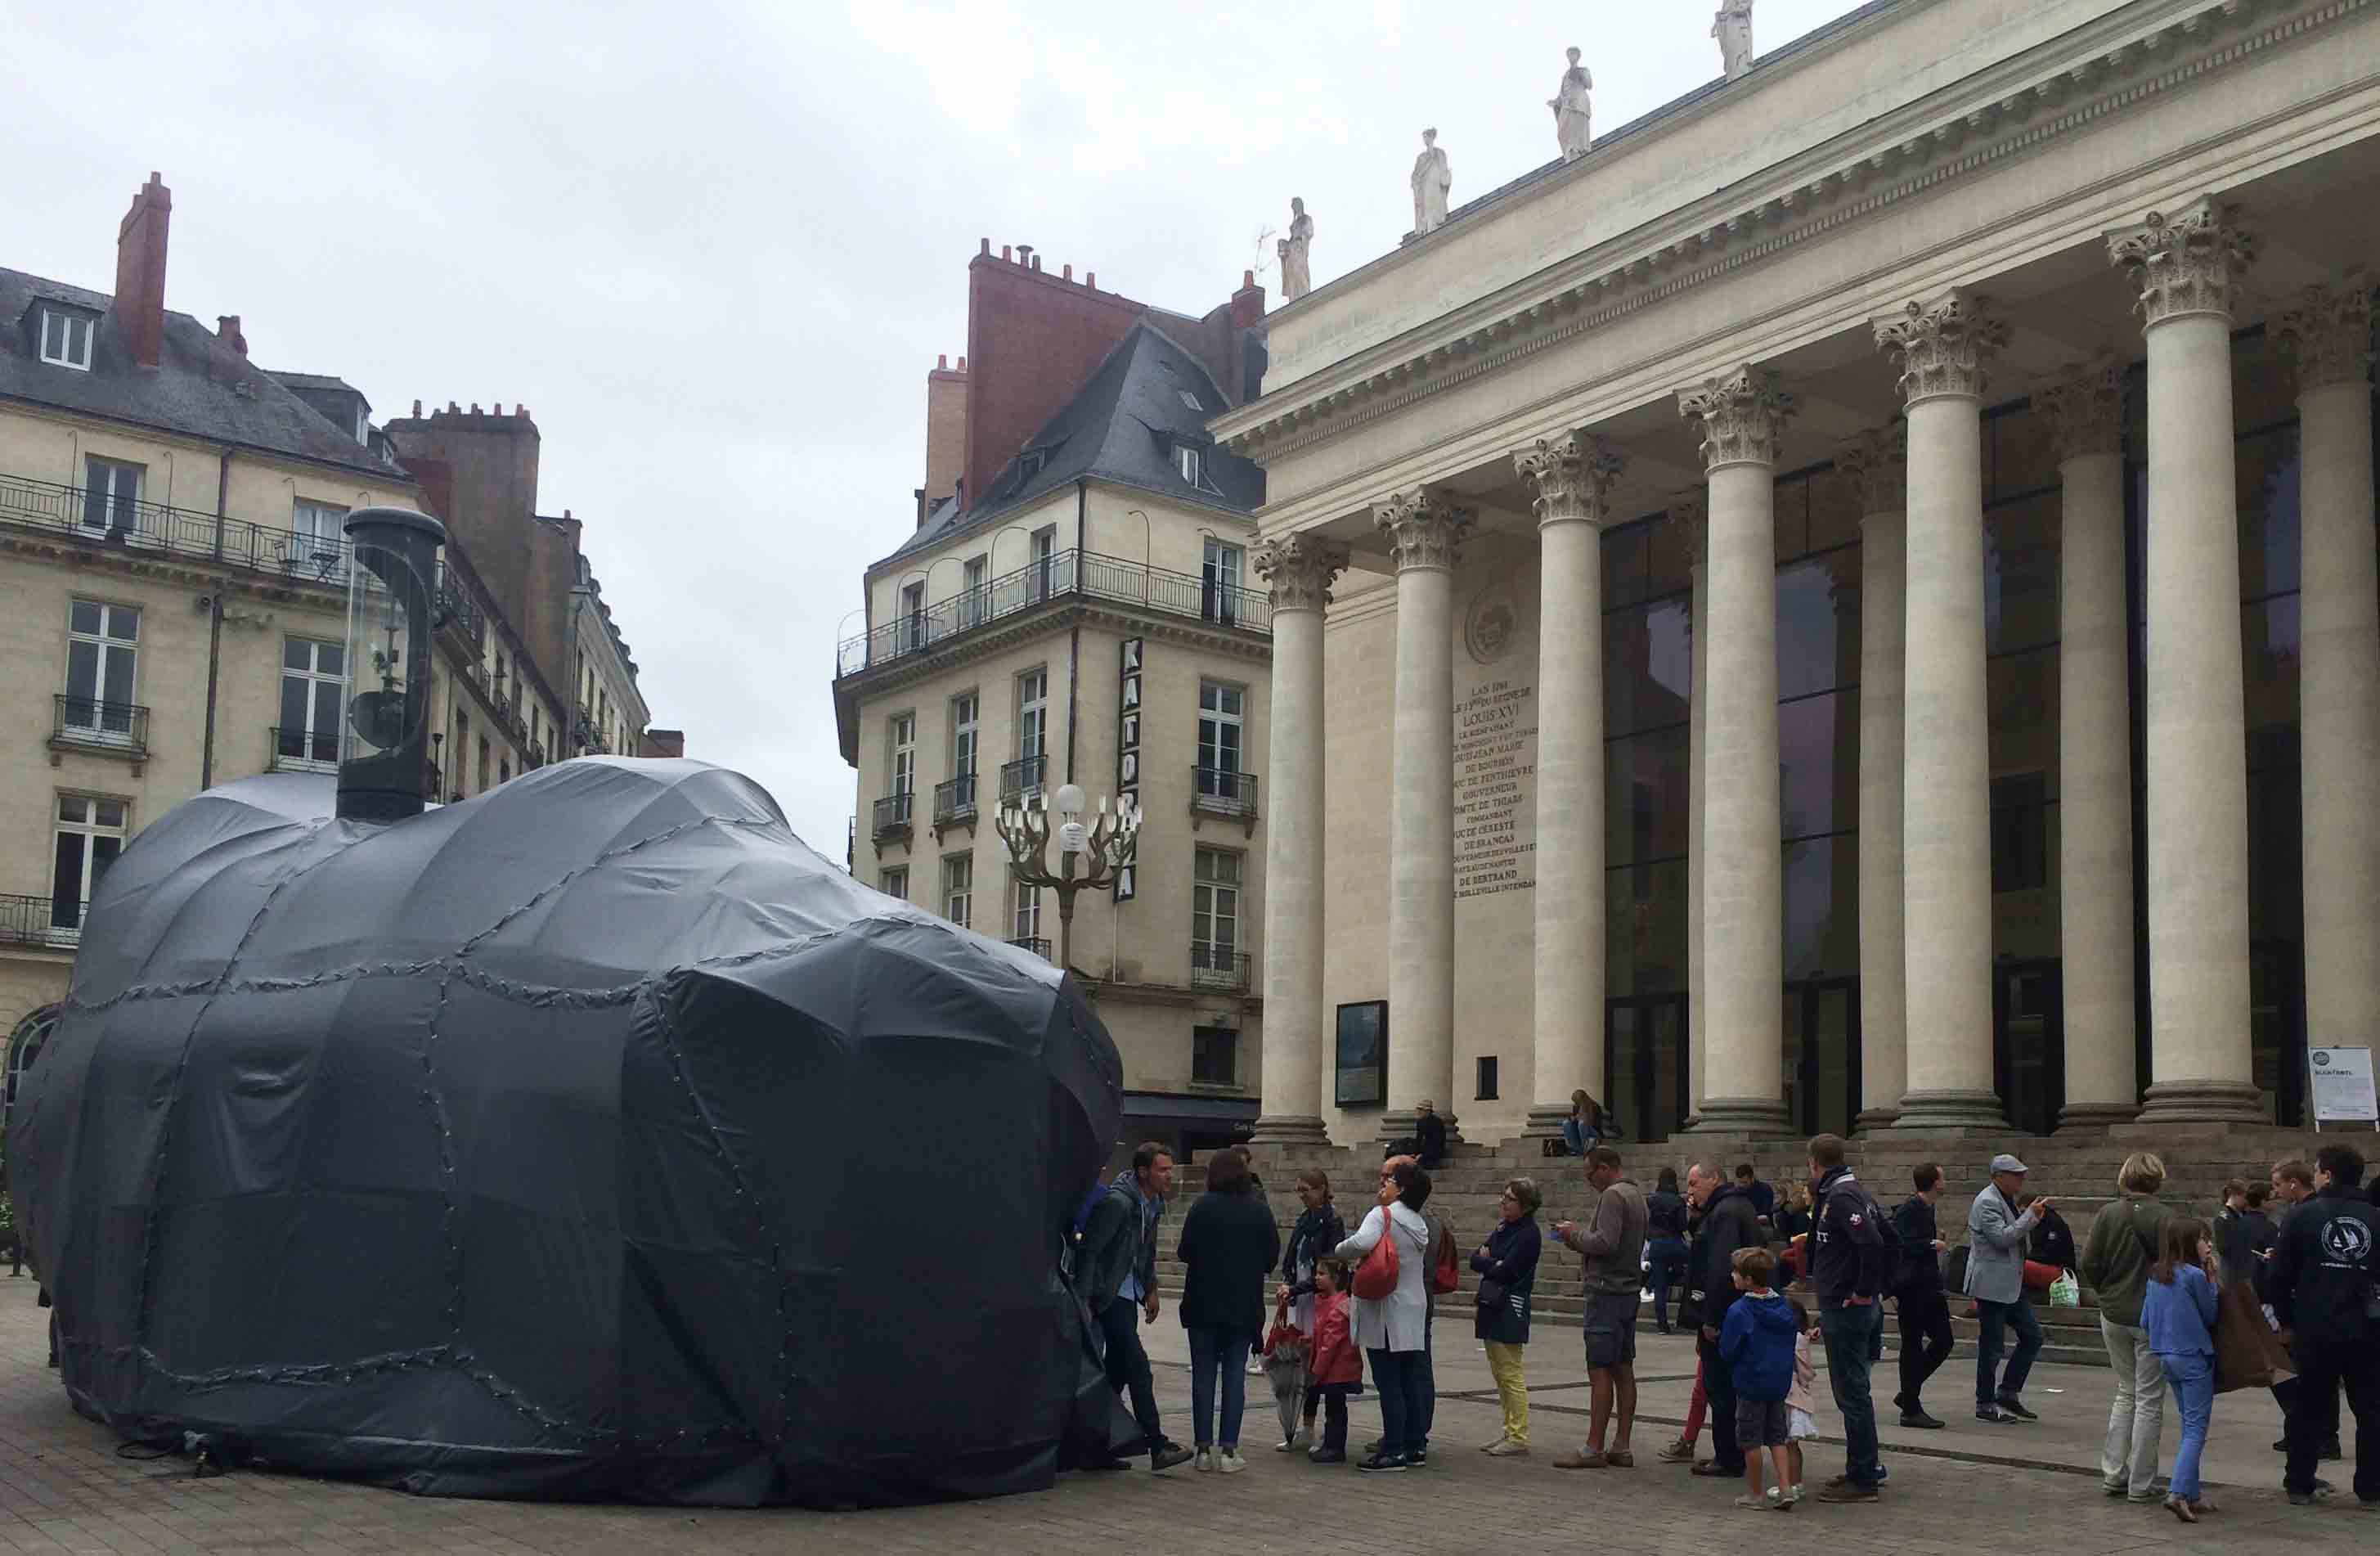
2178	1313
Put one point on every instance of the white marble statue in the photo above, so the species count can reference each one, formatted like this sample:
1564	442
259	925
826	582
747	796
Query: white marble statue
1432	178
1573	110
1733	29
1296	258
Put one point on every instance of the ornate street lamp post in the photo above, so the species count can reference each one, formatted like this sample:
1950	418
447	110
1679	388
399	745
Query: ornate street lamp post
1102	848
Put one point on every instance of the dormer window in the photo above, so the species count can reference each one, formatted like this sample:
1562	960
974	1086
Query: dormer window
65	338
1191	400
1192	461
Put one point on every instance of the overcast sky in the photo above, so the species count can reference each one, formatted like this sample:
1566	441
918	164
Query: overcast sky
714	248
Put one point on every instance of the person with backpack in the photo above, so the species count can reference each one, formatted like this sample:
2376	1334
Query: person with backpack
1443	1274
1923	1311
2124	1241
1612	1246
1117	1258
1393	1310
1853	1252
1664	1243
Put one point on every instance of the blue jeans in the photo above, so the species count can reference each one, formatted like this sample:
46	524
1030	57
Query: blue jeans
1849	1333
1993	1317
1426	1359
2192	1377
1397	1375
1213	1350
1574	1137
1666	1259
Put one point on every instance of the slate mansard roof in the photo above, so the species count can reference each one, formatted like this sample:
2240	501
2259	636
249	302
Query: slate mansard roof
1147	397
201	388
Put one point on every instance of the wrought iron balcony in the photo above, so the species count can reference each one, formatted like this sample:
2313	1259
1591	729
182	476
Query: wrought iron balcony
1216	791
954	800
85	724
1038	944
301	750
1022	777
892	816
1061	576
1219	965
103	519
40	919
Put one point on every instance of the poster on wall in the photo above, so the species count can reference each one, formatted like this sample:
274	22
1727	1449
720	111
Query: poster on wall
2342	1090
1127	784
1360	1064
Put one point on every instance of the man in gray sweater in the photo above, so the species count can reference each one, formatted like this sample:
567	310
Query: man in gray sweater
1612	1244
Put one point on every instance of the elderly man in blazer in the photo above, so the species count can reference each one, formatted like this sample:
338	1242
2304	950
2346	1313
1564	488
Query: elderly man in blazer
1997	1235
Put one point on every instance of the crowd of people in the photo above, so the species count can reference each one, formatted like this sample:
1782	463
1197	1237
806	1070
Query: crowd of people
1742	1257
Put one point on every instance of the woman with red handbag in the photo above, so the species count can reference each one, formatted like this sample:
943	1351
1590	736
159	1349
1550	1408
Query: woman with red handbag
1392	1309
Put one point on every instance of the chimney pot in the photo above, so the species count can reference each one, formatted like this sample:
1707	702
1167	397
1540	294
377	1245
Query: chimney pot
942	361
417	410
987	246
1025	255
1004	253
963	364
227	331
1069	271
1247	279
1091	280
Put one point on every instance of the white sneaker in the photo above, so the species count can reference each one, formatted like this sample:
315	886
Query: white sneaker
1228	1462
1286	1445
1205	1463
1507	1449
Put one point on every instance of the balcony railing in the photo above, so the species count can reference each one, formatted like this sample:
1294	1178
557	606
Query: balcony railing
955	799
86	724
1038	944
1216	791
1064	575
103	519
892	815
305	751
1219	965
40	919
1022	777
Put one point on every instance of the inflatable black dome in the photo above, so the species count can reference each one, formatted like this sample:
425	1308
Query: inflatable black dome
593	1137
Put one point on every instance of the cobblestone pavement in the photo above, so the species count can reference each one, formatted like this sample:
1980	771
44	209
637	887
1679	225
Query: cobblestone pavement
63	1488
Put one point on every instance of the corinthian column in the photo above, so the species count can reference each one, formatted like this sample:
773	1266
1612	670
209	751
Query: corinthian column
1692	514
1942	347
1878	465
2188	266
1570	482
1299	568
2085	412
1742	871
1424	529
2328	335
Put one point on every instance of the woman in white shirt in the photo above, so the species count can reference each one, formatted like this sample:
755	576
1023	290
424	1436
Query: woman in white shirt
1392	1329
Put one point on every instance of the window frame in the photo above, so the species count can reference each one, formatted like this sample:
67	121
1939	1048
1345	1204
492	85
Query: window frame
68	319
893	881
1223	572
966	732
93	830
1208	1037
109	498
1024	909
105	647
1033	714
308	756
900	752
958	888
1205	912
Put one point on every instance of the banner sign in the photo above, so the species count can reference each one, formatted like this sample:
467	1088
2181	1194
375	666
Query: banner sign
2342	1085
1128	784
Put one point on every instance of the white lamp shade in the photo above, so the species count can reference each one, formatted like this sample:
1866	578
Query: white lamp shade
1072	836
1070	799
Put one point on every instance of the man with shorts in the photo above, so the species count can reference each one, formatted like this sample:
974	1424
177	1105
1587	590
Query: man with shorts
1612	1244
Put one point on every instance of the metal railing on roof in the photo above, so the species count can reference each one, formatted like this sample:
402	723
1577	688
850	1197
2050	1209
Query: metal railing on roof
1062	575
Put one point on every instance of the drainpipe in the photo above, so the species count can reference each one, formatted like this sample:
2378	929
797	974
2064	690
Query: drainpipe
1074	639
214	623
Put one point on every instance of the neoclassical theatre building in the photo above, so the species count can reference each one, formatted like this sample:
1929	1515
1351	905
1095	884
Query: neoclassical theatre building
1851	604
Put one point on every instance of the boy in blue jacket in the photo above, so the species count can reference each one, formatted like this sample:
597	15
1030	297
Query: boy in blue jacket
1756	1343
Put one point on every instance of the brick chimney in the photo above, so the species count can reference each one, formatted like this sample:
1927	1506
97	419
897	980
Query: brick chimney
1249	302
227	331
946	422
140	306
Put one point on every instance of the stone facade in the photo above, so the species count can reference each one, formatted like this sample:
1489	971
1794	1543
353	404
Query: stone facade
1952	360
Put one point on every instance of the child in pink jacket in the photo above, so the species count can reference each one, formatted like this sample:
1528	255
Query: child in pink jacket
1799	1423
1335	1368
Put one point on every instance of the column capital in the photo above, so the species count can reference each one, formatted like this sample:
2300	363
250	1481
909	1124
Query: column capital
2327	333
1943	346
1742	413
1570	478
2185	262
1878	463
1689	513
1425	529
1299	568
2085	408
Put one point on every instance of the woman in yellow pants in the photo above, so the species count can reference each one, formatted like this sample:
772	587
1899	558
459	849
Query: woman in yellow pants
1507	1266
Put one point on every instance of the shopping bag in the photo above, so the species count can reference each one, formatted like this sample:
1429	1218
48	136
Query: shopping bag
2248	1354
2066	1291
1377	1277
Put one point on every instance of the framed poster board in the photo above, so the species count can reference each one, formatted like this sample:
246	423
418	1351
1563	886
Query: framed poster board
2342	1092
1360	1062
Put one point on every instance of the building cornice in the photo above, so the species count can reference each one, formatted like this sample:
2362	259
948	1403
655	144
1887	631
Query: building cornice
2005	111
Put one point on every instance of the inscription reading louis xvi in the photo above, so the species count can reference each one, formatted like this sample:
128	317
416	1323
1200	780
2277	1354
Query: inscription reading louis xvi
1495	790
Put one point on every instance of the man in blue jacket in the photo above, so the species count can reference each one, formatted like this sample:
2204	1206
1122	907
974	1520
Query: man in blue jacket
2326	1270
1849	1268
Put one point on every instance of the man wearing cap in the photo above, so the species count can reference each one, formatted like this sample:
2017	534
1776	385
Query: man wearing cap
1429	1137
1996	1235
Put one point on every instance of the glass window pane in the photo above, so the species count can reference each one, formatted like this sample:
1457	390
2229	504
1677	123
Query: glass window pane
1667	560
1646	791
116	676
1645	928
1817	746
296	654
72	807
2268	471
330	659
1793	517
1821	907
294	689
84	616
1624	555
1647	666
2020	456
82	678
1817	624
1834	510
2021	574
123	622
66	881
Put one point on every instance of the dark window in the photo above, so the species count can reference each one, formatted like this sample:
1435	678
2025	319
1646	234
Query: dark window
1362	1072
1486	1090
1214	1056
2020	832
